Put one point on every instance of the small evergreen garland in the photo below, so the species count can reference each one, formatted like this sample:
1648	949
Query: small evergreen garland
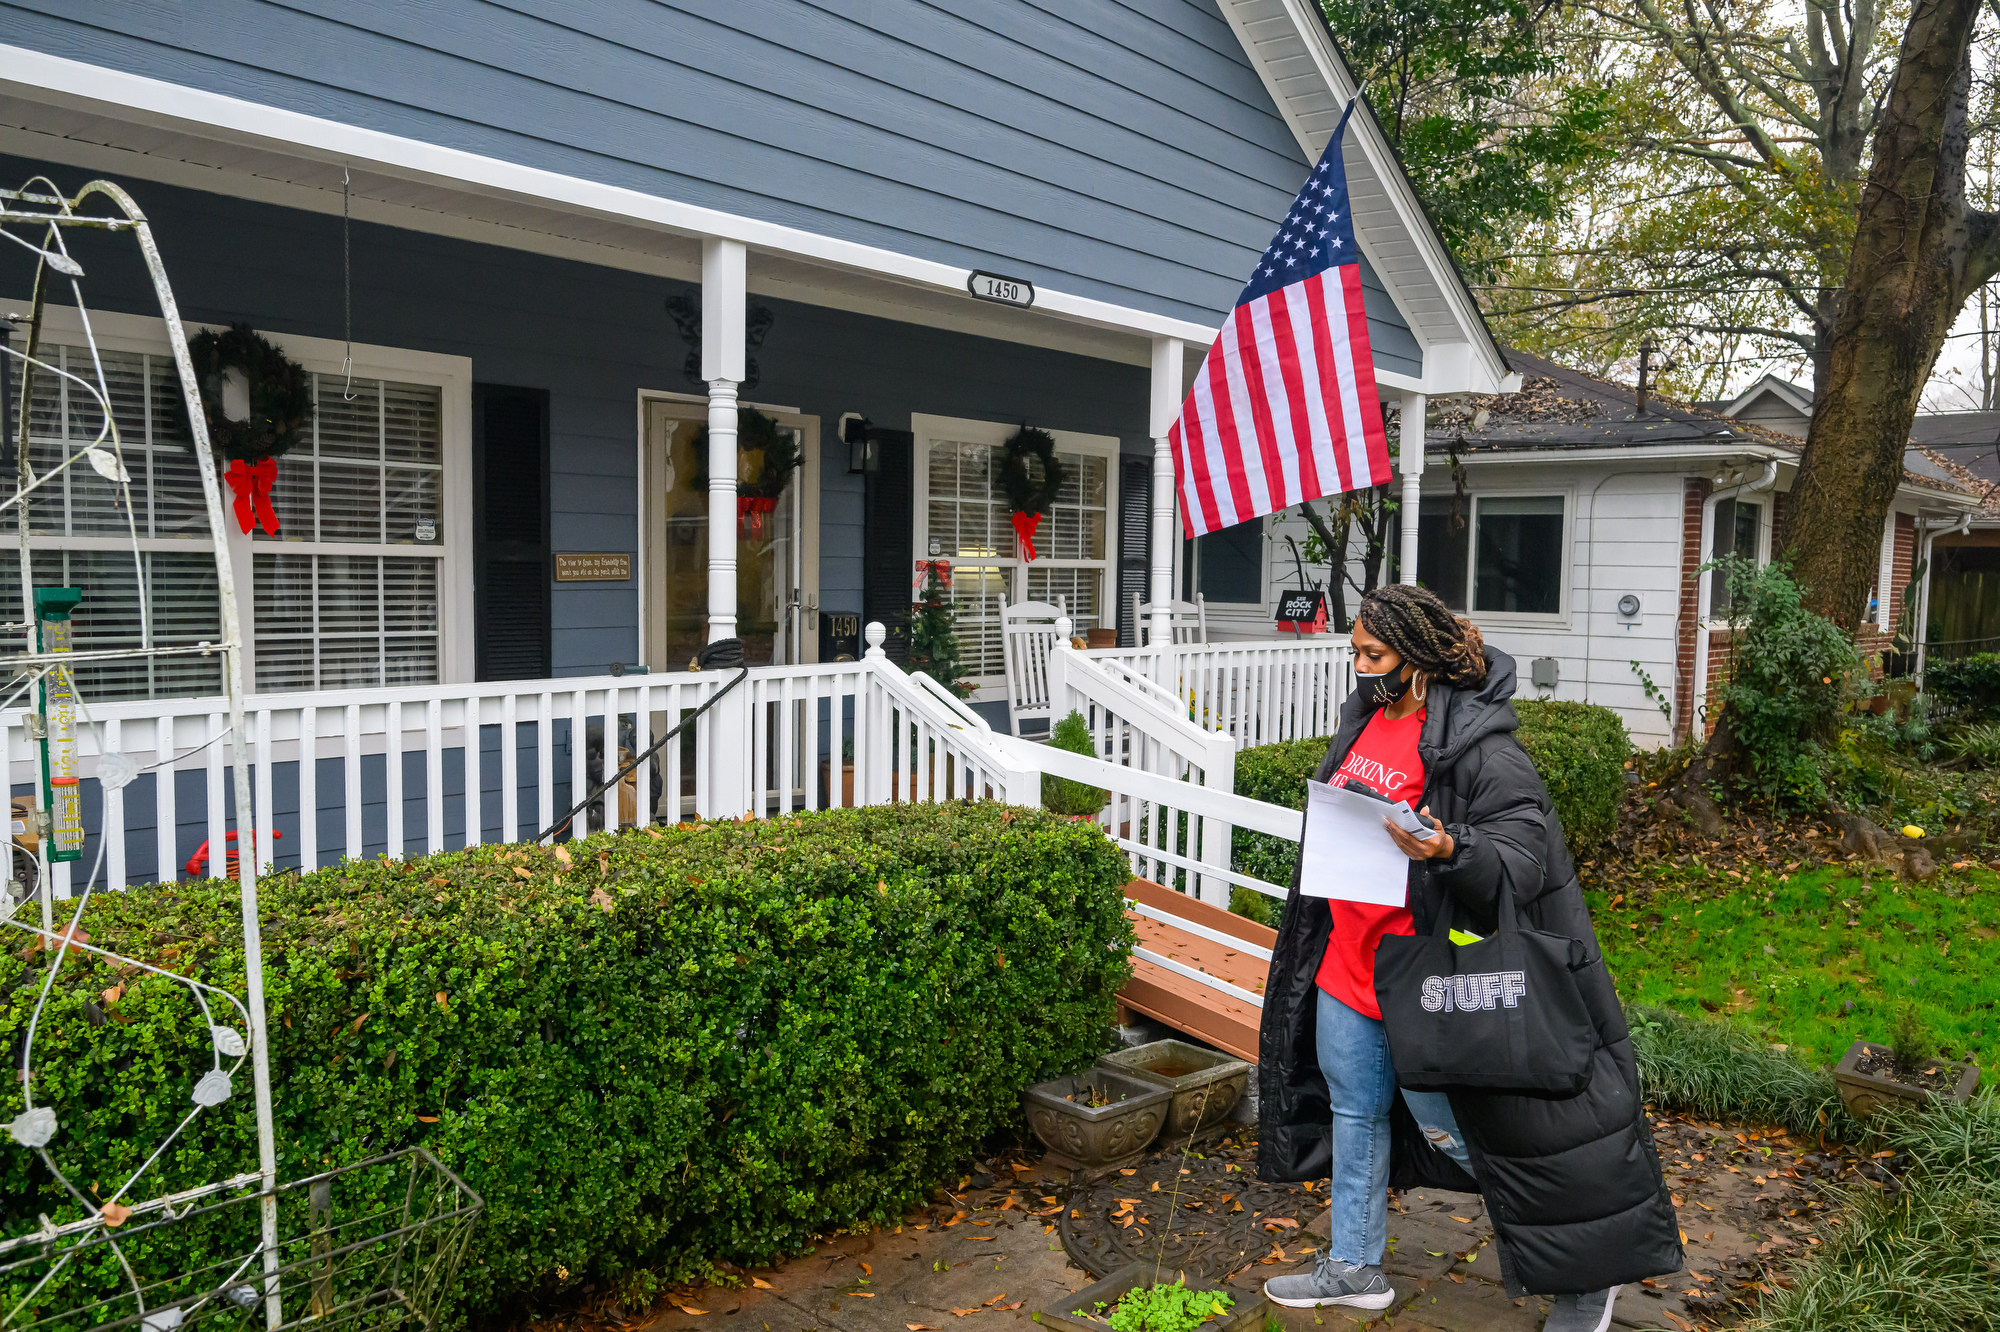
281	395
1025	493
754	431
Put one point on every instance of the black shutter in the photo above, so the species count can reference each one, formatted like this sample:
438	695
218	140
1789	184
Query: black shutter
510	532
889	531
1135	531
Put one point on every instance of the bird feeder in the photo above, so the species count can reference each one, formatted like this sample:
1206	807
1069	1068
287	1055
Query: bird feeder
61	791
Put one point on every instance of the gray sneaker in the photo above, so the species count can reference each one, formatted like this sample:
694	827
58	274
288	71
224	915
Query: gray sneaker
1332	1282
1581	1313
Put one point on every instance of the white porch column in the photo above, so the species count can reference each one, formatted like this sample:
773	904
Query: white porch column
723	264
1410	462
725	732
1166	405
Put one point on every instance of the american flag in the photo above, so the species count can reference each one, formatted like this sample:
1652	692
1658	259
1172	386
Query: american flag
1284	408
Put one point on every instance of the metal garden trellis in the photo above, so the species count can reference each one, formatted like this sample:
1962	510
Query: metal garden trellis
444	1213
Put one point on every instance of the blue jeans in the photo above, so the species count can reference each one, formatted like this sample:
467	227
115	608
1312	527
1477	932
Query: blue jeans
1354	1056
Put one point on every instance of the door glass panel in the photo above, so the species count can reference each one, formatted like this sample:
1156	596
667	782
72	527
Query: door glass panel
768	562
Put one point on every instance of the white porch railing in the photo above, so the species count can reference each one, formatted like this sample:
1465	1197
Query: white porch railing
1260	693
421	769
1135	722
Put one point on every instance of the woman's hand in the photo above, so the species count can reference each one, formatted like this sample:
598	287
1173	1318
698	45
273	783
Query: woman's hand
1439	846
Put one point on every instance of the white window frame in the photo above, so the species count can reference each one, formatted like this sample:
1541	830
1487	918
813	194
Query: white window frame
451	375
1766	500
929	430
1565	593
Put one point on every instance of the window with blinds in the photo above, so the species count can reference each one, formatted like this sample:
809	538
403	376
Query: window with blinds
969	524
349	591
331	614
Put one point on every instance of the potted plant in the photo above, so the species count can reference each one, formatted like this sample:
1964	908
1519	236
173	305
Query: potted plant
1144	1299
1206	1084
1060	795
846	777
1095	1120
1872	1076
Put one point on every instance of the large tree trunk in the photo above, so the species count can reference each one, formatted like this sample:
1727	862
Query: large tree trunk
1919	253
1906	281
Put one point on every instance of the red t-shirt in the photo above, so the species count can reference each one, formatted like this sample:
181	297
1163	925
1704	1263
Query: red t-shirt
1385	757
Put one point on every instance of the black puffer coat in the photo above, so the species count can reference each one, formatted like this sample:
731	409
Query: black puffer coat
1572	1185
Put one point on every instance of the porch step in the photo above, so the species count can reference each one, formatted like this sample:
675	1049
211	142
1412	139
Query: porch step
1187	1005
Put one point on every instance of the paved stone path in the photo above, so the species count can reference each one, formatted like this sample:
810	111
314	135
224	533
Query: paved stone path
989	1258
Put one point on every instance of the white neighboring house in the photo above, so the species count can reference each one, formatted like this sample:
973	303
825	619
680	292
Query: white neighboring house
1569	523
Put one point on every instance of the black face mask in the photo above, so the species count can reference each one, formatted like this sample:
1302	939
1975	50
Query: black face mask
1382	690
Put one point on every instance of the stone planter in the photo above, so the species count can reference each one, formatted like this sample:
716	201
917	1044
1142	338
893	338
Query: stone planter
1206	1084
1082	1137
1247	1314
1865	1093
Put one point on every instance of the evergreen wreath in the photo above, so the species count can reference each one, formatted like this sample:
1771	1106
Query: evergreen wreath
1026	493
754	431
281	395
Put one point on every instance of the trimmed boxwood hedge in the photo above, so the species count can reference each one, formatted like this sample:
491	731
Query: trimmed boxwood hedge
646	1050
1579	749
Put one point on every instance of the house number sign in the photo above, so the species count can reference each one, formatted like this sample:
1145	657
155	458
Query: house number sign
1005	290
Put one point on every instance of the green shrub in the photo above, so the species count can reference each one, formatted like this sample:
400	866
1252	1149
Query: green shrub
1968	688
1060	795
1255	907
646	1050
1580	751
1276	774
1790	677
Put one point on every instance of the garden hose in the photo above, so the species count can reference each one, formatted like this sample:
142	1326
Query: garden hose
722	654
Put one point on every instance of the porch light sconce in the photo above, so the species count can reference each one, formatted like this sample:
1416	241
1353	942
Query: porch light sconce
854	429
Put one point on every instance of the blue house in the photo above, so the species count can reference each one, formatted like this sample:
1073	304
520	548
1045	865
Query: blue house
537	256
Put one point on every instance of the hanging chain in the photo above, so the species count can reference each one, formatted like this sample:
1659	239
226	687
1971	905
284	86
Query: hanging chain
346	292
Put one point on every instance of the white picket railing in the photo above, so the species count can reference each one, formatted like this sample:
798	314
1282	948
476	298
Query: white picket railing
1259	692
428	768
1135	722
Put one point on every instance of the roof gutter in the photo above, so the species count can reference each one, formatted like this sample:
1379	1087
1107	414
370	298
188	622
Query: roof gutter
1704	585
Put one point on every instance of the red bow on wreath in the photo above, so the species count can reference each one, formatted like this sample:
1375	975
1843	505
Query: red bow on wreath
925	568
1024	528
251	483
750	512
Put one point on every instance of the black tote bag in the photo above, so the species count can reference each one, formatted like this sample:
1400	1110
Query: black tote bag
1502	1014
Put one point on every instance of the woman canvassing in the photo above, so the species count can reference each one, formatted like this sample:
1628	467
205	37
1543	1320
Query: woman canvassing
1571	1181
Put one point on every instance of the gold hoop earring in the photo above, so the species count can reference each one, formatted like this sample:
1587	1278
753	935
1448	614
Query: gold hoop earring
1421	685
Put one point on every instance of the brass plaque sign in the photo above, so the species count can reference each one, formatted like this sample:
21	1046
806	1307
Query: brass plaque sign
584	567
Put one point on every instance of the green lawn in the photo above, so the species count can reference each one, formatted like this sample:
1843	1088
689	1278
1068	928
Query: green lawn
1782	956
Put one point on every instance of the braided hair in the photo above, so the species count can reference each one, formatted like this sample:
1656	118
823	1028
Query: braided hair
1425	633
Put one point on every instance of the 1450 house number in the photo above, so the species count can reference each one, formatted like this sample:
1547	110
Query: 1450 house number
1005	290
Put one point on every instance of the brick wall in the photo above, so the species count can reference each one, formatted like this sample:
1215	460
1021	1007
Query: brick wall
1694	491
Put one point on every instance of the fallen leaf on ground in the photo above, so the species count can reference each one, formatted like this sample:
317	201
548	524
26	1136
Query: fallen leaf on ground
920	1327
115	1214
761	1284
601	899
1466	1219
866	1270
982	1239
956	1217
960	1313
1281	1221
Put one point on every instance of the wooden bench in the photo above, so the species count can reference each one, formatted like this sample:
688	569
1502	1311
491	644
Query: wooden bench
1187	1005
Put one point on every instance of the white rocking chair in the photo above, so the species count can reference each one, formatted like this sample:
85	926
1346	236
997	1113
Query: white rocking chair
1190	621
1027	636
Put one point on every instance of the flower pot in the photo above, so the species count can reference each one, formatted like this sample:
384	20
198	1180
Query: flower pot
1206	1084
1865	1093
1101	638
826	785
1084	1137
1247	1314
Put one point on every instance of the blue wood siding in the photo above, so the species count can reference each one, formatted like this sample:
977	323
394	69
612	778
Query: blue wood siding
1118	149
